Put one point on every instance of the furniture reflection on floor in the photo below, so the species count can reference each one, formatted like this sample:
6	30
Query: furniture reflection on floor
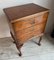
26	21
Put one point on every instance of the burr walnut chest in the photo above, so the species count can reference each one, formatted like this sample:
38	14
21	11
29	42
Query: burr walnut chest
26	21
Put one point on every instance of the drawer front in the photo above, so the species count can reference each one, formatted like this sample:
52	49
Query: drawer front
38	32
41	18
25	37
24	31
40	26
23	24
38	29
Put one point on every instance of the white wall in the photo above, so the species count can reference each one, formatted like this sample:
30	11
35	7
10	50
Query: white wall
4	28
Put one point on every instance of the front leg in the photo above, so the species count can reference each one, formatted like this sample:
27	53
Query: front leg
18	45
19	48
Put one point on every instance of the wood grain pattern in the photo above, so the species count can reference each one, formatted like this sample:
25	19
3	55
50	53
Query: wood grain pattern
17	12
25	37
40	27
24	31
41	18
30	29
22	24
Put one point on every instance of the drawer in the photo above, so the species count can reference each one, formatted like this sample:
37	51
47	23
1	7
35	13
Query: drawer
25	37
23	24
38	32
24	31
38	29
40	26
41	18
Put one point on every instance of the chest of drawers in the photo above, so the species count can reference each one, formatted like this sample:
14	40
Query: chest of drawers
26	21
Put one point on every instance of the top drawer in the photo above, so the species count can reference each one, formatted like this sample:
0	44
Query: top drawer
41	18
22	24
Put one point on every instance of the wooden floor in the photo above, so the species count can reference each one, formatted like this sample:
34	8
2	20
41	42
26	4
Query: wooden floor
30	50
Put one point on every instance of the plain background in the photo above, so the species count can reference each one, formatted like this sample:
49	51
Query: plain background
4	28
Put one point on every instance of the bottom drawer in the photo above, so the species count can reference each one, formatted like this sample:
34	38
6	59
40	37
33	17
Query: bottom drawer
25	37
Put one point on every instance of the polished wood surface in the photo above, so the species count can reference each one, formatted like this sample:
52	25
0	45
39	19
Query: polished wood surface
23	11
22	24
26	21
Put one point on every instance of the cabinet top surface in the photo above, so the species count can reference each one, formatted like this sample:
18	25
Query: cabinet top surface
22	11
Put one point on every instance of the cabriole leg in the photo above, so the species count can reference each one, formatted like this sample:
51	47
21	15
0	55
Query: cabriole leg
19	49
17	44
